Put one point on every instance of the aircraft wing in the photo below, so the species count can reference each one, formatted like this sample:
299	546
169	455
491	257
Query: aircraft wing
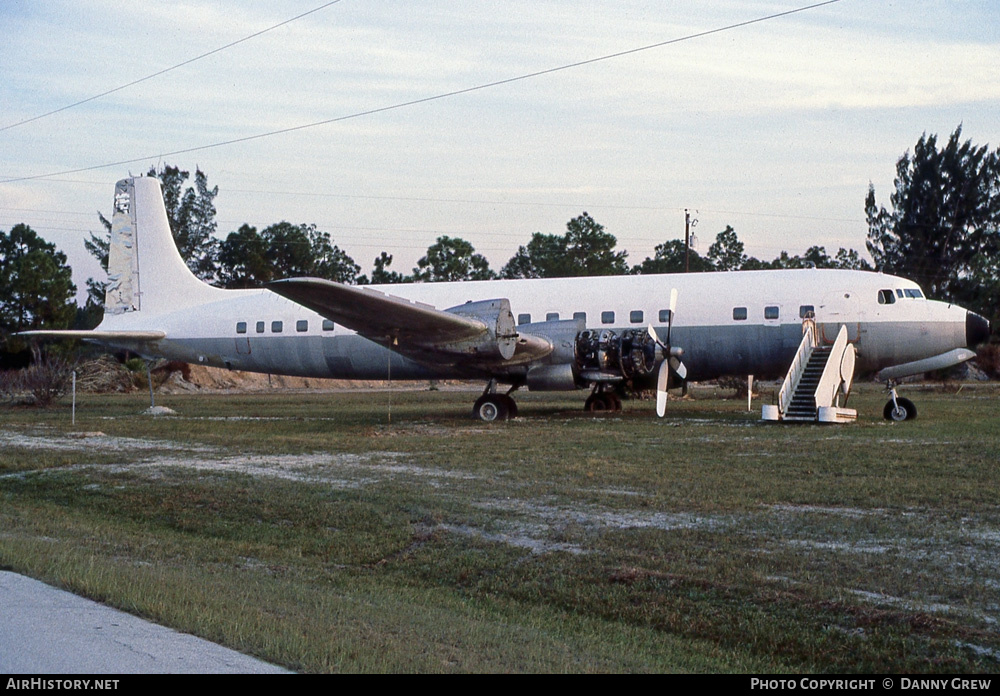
476	334
374	314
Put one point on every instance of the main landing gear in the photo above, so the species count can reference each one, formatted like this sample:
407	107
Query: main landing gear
897	408
603	401
492	406
495	406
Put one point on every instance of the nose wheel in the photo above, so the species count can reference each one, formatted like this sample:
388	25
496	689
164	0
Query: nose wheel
898	409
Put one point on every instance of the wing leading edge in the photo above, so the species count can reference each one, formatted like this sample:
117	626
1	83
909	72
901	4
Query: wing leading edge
476	334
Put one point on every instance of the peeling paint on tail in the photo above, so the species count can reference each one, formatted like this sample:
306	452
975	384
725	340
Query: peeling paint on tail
122	292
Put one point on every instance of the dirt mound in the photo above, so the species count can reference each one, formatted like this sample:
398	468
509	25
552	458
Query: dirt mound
103	375
181	378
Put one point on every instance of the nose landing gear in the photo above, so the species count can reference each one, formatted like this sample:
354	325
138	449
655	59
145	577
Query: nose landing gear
897	408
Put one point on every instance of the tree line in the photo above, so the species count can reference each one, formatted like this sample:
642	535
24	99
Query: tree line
942	230
250	258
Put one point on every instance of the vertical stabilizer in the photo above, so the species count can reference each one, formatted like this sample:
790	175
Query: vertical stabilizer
145	271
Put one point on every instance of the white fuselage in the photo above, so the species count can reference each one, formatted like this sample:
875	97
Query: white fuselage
746	322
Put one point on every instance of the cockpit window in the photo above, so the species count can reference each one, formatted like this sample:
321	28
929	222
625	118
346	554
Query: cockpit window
886	297
909	293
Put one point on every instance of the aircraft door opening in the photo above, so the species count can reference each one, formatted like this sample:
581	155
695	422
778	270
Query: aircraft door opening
836	309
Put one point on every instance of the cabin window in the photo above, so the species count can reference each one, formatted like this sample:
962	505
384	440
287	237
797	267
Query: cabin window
770	312
580	315
664	316
739	313
275	327
635	316
607	317
241	327
260	327
523	318
552	316
886	297
807	310
301	325
327	325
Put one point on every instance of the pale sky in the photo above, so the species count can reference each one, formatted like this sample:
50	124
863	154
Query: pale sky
775	128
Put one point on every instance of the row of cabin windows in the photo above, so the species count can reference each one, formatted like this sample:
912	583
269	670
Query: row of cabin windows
636	316
773	312
301	326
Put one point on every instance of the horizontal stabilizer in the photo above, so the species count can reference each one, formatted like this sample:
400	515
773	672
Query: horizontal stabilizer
101	336
938	362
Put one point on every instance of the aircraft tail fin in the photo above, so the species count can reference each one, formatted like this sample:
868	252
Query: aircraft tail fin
145	271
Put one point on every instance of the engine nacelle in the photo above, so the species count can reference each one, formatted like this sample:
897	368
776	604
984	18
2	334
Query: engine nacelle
583	356
500	338
604	355
562	377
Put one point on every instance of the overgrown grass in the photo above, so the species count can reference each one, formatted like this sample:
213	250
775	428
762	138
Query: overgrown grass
311	531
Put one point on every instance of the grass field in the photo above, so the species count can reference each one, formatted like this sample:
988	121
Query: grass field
308	530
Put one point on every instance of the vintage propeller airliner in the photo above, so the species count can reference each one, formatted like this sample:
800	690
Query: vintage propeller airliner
546	334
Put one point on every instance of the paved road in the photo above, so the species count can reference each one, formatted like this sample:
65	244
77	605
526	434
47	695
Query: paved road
44	630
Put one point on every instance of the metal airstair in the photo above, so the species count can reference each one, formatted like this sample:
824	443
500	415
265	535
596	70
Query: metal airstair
817	379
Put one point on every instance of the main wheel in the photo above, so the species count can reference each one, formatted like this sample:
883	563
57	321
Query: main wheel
901	410
511	405
598	403
491	407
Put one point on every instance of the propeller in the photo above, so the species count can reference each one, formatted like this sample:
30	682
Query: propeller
671	360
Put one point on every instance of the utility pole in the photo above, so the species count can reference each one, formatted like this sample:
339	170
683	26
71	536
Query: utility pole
687	240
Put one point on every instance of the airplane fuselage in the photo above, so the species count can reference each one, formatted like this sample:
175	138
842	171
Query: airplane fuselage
738	323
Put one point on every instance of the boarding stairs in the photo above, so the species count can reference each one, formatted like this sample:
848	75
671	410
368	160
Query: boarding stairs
819	376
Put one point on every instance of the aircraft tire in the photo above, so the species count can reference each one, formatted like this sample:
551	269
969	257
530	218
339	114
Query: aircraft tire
598	403
491	407
902	410
511	406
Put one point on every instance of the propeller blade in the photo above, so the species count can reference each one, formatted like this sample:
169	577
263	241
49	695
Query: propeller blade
673	310
679	367
662	382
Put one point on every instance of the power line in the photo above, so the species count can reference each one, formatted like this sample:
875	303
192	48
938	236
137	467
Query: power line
424	100
166	70
520	204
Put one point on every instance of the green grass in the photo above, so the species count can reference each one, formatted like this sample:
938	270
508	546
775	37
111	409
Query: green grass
309	530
